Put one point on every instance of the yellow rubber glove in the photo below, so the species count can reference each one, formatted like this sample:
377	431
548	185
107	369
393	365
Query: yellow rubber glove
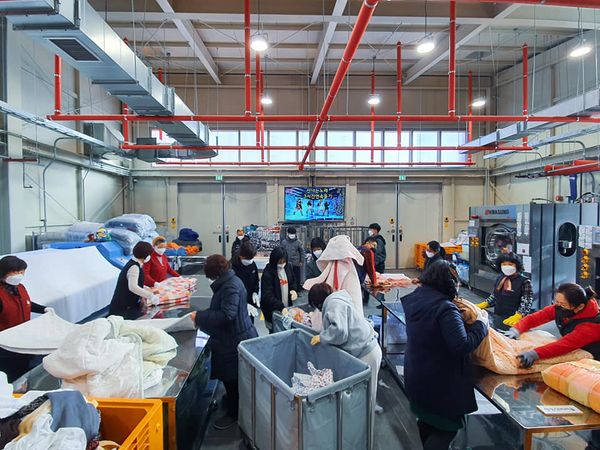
513	320
315	340
483	305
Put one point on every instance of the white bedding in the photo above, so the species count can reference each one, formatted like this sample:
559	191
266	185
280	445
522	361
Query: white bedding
76	283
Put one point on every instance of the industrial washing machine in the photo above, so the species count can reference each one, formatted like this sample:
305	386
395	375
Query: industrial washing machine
544	235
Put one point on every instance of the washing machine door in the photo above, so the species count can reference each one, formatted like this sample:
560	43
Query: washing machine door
499	239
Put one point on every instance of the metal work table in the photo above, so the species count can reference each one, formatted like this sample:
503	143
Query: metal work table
392	334
517	398
186	389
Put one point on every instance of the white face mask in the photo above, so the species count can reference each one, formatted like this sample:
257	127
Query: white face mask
247	262
318	253
281	266
14	280
429	254
160	251
241	237
509	270
292	236
147	260
371	232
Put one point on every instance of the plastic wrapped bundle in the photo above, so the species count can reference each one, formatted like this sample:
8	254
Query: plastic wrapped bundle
141	224
45	239
125	238
176	290
499	353
578	380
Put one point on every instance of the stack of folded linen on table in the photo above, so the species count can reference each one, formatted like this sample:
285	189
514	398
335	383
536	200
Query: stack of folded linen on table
175	291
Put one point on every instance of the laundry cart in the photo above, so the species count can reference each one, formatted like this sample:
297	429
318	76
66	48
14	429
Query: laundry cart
273	417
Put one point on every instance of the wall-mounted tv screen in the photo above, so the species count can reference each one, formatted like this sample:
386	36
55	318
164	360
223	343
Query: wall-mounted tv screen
305	204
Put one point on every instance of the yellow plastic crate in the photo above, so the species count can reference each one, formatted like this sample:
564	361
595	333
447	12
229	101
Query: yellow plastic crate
135	424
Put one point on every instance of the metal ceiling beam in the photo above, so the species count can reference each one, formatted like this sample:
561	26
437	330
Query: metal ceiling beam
464	34
326	37
187	30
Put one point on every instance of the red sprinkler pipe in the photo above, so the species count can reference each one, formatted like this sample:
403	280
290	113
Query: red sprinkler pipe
159	75
125	125
309	163
327	118
525	86
399	92
452	62
470	112
362	21
470	107
567	3
247	75
262	113
578	166
57	85
257	100
372	115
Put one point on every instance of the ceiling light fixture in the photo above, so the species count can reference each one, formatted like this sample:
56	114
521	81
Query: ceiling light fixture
374	99
259	42
581	50
266	100
478	102
426	46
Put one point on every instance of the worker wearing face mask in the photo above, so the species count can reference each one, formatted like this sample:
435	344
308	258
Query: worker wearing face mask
433	253
158	269
245	269
130	296
276	291
380	252
317	245
296	256
240	238
513	293
15	308
577	316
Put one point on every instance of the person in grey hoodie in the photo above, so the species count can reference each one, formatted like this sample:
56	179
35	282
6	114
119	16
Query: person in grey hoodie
347	329
296	256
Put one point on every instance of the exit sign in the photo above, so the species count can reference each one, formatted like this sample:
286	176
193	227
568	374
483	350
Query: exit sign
401	177
218	177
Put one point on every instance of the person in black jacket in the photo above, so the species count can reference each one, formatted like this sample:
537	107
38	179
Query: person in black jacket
130	297
245	269
228	323
317	245
434	253
276	286
437	369
380	252
240	238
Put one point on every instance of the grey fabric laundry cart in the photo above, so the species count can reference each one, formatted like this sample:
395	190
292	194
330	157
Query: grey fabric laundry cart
272	417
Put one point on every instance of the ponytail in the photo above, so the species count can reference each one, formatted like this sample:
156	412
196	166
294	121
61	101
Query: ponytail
590	293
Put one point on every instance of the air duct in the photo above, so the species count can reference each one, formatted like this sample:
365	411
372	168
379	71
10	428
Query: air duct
75	31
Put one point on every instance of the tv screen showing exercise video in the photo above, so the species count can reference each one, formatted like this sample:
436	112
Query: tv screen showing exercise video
305	204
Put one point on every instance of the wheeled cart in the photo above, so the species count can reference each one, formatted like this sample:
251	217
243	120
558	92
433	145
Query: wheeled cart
272	417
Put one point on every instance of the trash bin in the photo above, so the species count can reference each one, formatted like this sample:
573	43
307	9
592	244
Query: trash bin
337	417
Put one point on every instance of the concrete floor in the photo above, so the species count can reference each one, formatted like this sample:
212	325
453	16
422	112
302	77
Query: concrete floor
395	428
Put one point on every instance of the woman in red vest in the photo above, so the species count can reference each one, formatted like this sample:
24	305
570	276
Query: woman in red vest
158	269
15	308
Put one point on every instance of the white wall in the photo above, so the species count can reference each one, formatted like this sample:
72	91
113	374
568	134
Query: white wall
30	77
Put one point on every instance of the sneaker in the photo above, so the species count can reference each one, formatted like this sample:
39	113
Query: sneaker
224	422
